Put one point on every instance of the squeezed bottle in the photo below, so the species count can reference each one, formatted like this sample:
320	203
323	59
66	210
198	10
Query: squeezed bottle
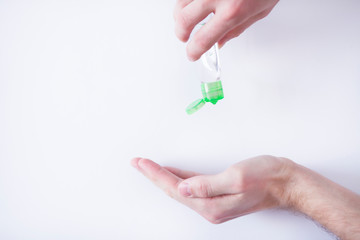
210	82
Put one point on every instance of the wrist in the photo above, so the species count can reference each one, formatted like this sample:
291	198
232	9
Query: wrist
283	181
331	205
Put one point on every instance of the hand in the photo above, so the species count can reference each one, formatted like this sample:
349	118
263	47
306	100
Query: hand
231	18
260	183
245	187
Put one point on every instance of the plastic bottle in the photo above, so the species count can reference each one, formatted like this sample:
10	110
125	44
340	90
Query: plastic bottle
211	86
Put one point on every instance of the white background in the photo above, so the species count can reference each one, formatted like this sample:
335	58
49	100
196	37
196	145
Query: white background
87	85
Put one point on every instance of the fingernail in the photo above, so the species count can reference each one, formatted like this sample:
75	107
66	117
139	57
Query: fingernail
184	189
135	162
140	162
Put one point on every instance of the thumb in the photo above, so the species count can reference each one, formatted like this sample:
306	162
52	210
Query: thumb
204	186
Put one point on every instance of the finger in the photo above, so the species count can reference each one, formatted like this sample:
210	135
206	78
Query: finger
218	209
161	177
181	173
207	36
205	186
189	16
180	4
235	32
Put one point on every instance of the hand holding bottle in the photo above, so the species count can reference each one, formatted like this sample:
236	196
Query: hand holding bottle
231	18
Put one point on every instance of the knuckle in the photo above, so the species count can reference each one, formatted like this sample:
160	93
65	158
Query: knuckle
233	12
230	15
206	4
183	26
202	42
183	20
203	189
263	14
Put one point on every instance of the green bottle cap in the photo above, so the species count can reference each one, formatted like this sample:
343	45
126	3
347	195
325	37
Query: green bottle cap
212	92
195	106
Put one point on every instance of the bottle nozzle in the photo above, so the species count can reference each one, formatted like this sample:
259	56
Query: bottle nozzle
212	92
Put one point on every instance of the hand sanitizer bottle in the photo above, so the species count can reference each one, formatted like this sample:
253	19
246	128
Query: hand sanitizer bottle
211	86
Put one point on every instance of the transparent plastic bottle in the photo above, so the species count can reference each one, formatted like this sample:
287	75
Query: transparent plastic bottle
210	72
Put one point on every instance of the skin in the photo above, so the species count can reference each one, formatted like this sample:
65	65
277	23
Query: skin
231	18
256	184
